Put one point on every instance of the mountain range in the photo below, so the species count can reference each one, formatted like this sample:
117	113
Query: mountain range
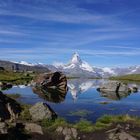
79	68
75	68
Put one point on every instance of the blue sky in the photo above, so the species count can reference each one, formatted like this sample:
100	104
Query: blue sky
103	32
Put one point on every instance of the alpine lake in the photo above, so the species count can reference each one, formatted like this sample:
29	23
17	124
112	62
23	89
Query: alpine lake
83	101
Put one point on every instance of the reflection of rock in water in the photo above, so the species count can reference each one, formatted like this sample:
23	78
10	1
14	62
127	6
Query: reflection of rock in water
52	95
79	86
114	95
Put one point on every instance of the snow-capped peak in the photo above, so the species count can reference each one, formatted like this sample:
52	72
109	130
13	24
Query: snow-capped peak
76	59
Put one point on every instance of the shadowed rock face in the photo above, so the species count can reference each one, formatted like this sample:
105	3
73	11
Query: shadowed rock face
9	108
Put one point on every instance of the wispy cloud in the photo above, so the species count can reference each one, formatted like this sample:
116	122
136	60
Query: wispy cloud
38	29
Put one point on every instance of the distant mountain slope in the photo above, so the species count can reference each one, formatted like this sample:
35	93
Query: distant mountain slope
22	67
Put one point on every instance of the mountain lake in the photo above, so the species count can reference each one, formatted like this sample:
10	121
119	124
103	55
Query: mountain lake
83	101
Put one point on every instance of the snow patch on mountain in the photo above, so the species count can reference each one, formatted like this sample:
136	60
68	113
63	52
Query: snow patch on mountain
26	63
108	70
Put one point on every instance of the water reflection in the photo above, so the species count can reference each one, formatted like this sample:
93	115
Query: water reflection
114	95
79	86
51	95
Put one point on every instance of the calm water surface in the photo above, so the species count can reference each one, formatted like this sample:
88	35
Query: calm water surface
83	101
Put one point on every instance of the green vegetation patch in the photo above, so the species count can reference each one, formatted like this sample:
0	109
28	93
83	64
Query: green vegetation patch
130	77
14	76
84	126
53	124
81	113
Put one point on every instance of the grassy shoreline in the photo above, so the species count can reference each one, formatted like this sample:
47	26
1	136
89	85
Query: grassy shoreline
127	78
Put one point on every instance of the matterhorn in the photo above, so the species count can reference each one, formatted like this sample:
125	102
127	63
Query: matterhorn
78	68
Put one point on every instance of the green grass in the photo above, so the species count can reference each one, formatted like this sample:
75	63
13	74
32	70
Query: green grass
53	124
15	77
130	77
84	126
14	95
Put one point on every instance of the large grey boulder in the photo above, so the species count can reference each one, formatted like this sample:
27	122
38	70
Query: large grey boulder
41	111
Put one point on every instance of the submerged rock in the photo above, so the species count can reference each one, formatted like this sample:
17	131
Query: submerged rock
41	111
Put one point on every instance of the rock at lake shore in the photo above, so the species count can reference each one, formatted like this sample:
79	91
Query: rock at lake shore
114	87
41	111
51	86
9	108
116	90
51	80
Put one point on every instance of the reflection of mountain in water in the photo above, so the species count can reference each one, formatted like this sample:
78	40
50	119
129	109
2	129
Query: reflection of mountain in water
79	86
51	95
